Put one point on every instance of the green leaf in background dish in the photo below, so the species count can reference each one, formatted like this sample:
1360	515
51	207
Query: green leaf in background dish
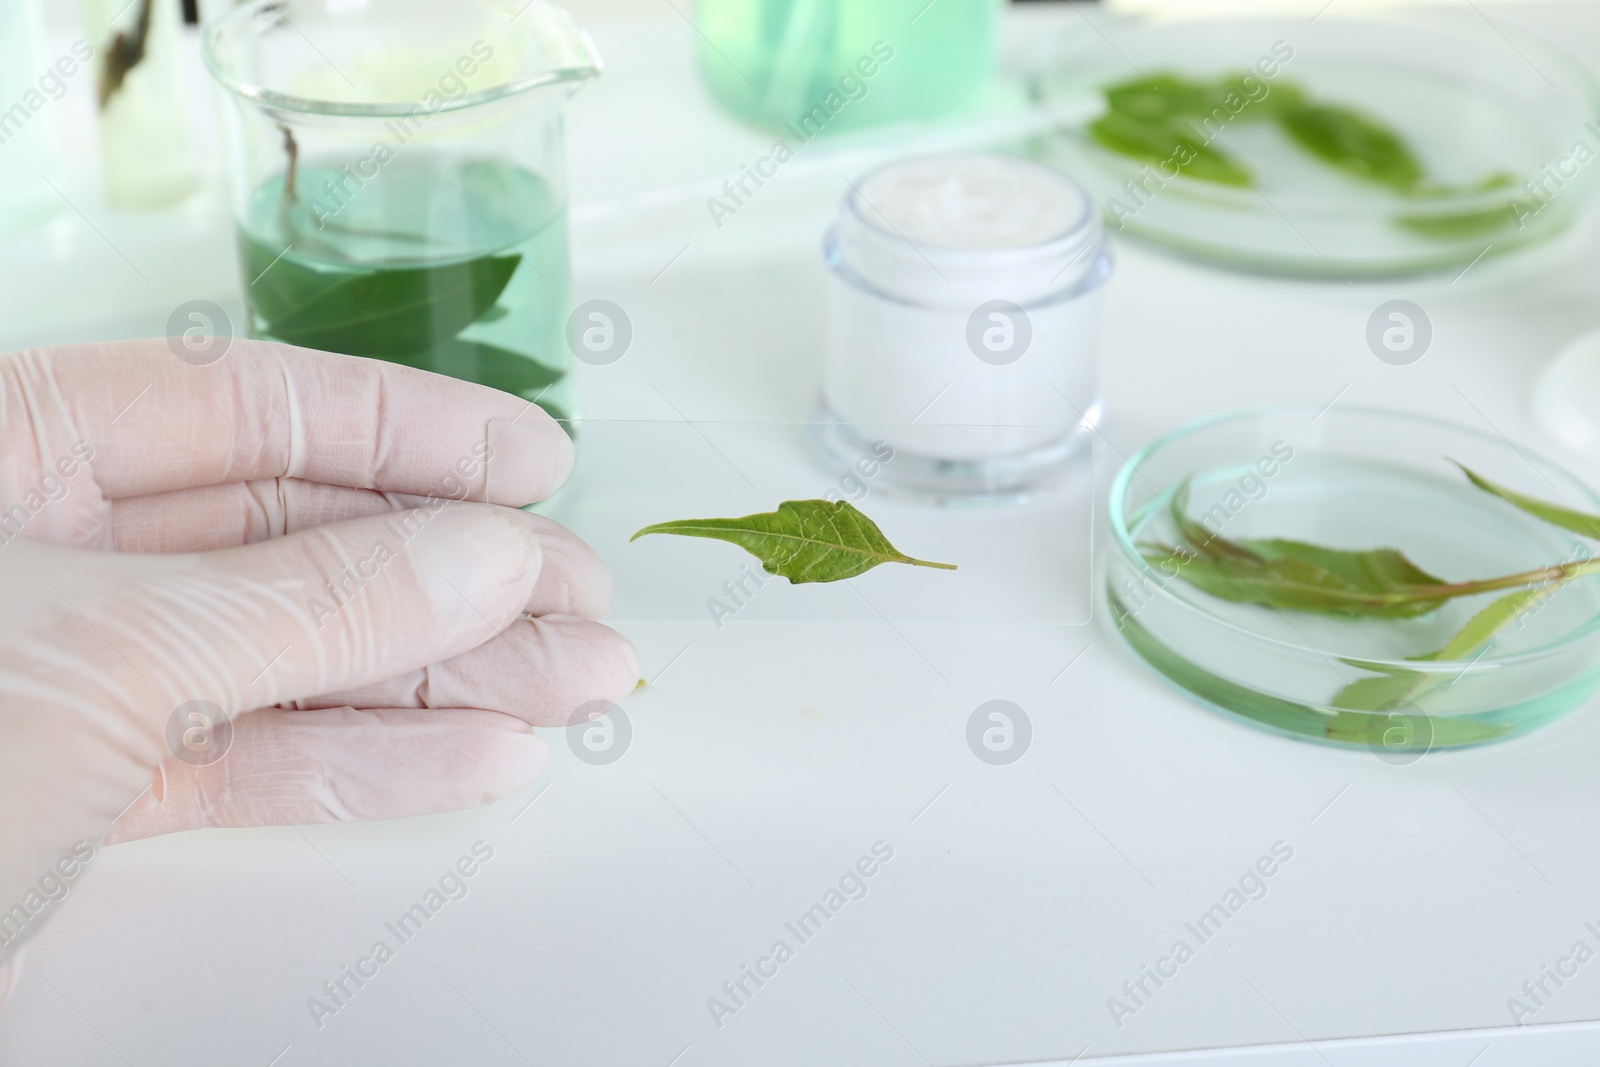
1459	226
1284	96
1575	521
1235	97
803	541
1152	119
486	364
1161	118
1355	143
1165	96
1497	180
394	311
1162	140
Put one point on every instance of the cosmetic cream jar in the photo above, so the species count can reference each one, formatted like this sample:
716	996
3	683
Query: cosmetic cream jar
962	310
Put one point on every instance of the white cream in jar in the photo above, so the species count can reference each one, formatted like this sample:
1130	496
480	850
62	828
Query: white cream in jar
962	313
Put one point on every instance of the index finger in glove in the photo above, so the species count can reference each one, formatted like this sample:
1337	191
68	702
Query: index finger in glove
268	410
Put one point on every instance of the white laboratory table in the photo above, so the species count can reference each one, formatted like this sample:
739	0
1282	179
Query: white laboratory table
772	754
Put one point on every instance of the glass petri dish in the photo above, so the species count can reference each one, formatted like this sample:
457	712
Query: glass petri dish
1484	111
1356	479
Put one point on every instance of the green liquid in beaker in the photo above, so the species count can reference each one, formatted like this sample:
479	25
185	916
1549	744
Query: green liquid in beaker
844	64
453	266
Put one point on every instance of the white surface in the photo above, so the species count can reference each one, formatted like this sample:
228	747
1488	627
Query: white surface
1566	395
769	755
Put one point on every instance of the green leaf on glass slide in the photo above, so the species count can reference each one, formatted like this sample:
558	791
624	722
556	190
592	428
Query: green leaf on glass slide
393	312
486	364
1296	576
803	541
1575	521
1353	142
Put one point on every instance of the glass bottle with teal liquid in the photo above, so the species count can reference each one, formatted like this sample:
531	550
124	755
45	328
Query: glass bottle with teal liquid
399	181
813	66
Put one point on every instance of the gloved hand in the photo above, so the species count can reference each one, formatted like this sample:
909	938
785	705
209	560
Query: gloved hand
321	545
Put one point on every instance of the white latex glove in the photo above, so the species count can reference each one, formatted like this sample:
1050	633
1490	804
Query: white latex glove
167	533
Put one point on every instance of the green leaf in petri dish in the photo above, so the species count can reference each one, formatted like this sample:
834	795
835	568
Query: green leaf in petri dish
1375	583
1386	690
1355	143
1299	577
1296	576
1392	686
1574	521
391	311
1168	118
1171	96
803	541
1371	569
1163	96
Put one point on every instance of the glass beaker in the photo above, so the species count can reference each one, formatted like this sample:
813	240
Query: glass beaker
812	66
26	198
146	155
399	180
